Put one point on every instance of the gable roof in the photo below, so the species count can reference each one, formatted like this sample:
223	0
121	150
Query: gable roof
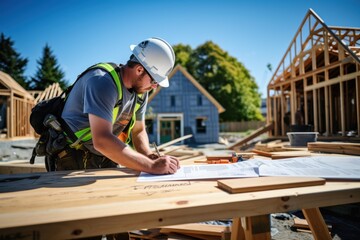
195	83
313	33
12	86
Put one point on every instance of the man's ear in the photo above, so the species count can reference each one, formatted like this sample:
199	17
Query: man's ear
139	69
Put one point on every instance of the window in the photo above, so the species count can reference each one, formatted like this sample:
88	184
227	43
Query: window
172	101
199	100
200	125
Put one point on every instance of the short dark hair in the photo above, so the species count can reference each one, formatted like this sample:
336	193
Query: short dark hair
132	62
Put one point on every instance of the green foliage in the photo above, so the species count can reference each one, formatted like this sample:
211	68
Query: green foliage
182	53
11	62
225	78
48	71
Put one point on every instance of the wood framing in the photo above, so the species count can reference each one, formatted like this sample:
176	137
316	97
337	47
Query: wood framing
51	91
15	104
317	83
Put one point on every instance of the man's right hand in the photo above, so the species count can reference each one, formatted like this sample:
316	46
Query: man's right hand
165	165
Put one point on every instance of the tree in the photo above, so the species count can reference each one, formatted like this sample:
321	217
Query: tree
226	79
11	62
182	53
48	71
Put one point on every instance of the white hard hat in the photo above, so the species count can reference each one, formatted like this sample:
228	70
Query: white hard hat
157	57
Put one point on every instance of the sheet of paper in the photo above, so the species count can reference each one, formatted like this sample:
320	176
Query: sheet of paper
207	171
330	167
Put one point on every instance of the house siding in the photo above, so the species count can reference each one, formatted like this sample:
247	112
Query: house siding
186	101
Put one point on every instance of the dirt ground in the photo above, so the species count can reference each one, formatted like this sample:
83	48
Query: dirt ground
343	226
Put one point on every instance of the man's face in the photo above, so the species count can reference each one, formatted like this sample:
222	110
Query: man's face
144	83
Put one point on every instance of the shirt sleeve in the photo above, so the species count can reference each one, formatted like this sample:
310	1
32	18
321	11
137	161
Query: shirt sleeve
100	95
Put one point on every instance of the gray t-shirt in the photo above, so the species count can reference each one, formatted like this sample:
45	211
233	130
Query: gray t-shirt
96	93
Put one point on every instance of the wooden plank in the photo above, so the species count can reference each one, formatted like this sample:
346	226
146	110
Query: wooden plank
10	168
317	224
257	227
242	185
196	228
253	135
290	154
303	224
145	234
102	205
335	147
174	141
244	155
262	153
237	231
173	149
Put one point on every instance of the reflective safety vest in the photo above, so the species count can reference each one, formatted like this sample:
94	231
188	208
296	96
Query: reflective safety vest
84	135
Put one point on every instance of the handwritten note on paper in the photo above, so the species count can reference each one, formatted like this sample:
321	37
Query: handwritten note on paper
329	167
208	171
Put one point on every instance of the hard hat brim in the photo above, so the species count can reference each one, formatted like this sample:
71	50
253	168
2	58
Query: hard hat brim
132	46
164	83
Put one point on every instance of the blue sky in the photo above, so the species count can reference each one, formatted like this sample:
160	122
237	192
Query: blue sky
84	32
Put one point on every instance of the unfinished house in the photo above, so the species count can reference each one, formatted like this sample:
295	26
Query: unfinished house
15	108
316	86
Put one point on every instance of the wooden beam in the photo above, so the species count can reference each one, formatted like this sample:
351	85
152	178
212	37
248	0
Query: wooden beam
331	112
174	141
253	135
342	110
334	81
357	85
317	224
257	227
10	168
282	110
326	95
275	115
315	104
237	231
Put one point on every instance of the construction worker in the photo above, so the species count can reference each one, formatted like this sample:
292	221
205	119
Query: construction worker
106	107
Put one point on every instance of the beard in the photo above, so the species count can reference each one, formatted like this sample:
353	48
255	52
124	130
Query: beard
138	85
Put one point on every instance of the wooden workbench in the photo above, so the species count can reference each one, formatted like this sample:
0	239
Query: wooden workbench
63	205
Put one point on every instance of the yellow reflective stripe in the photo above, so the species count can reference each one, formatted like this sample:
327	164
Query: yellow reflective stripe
114	75
133	120
115	113
84	134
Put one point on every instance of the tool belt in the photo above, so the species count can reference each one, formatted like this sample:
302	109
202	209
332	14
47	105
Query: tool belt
78	159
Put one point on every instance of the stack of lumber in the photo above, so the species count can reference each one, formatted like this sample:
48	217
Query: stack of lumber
279	150
335	147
